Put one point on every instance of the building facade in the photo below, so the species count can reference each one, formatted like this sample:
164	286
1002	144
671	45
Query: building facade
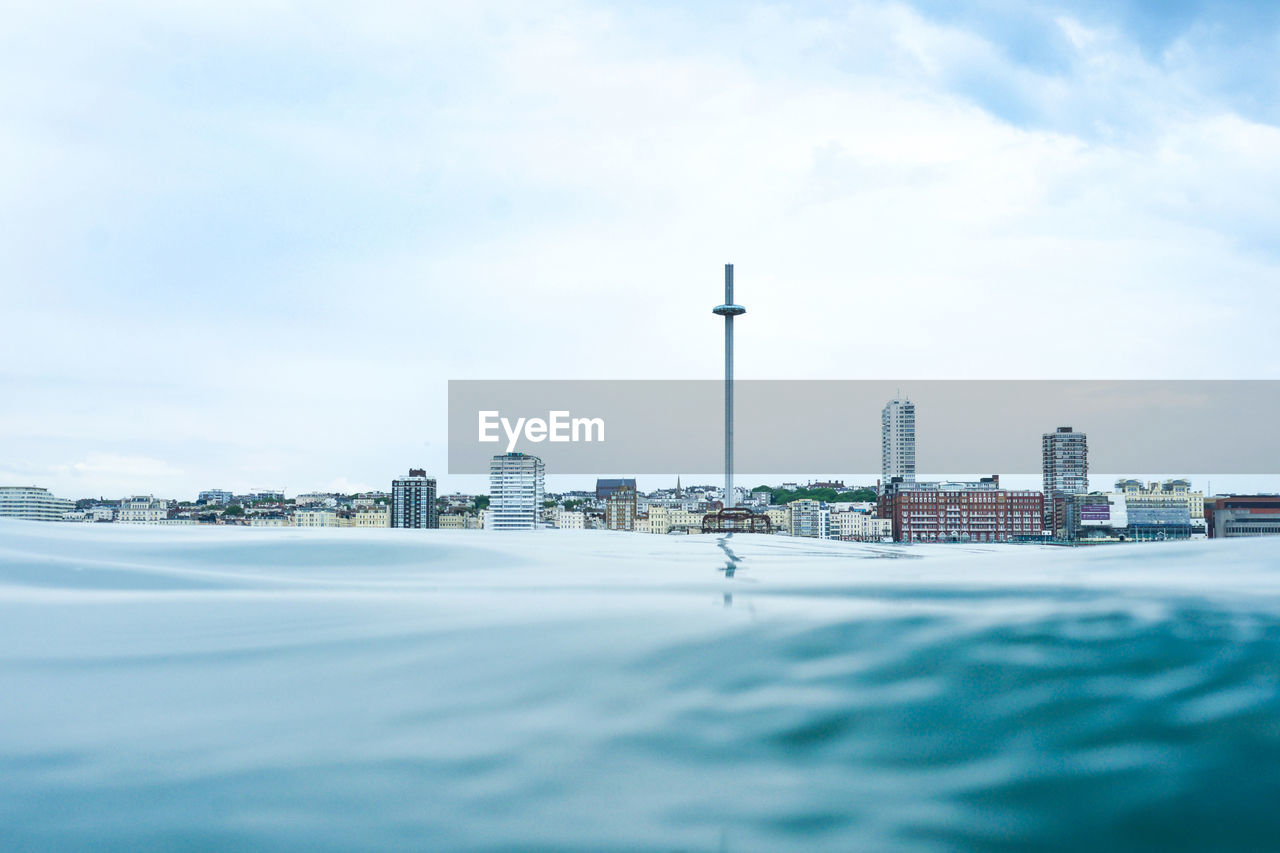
620	509
567	519
453	521
32	503
1133	512
316	516
375	515
898	442
517	486
413	500
1064	465
857	526
1243	515
664	519
142	510
606	487
809	518
220	497
963	512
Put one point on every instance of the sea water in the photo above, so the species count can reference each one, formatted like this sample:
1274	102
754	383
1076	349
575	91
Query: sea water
312	690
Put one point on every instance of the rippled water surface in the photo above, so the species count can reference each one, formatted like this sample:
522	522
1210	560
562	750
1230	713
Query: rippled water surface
219	689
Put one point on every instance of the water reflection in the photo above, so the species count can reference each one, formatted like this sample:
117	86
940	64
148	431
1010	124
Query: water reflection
731	559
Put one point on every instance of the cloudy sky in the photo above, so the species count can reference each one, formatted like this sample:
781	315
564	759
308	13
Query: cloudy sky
247	244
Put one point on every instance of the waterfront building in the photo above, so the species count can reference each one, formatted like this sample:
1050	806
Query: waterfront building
1064	465
452	521
413	500
315	516
664	519
620	508
962	512
1243	515
32	503
1170	493
858	526
372	515
779	518
809	518
516	490
898	442
659	518
219	497
1133	512
269	519
142	509
570	520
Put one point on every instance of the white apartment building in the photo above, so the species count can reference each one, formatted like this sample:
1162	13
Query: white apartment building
571	520
854	526
371	515
142	510
517	485
451	521
32	503
666	519
809	518
898	441
315	516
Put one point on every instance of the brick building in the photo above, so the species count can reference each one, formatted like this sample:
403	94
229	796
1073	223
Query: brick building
962	512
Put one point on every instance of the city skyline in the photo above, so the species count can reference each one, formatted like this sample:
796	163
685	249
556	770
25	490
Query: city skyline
885	172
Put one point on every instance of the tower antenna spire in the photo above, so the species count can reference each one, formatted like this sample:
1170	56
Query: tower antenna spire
728	310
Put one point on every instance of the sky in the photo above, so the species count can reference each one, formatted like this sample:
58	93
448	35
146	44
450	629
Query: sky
247	244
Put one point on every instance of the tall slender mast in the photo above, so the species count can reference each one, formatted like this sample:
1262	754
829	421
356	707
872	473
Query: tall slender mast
728	310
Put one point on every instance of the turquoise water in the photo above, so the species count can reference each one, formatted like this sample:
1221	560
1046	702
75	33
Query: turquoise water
218	689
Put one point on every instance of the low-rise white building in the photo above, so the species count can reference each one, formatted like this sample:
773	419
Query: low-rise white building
373	515
452	521
852	526
315	517
571	520
142	509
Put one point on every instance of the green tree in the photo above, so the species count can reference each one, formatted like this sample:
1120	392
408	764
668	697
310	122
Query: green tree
786	496
233	509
